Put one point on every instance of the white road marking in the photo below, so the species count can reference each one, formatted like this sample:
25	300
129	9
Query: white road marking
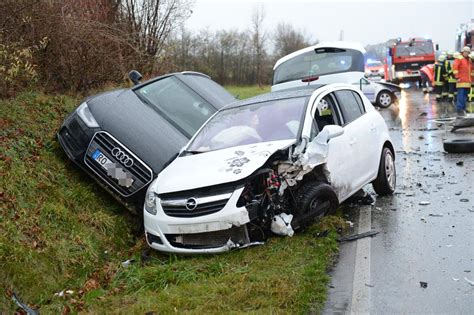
361	291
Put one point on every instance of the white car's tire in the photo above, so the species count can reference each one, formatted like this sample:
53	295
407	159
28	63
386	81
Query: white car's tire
386	179
314	200
384	99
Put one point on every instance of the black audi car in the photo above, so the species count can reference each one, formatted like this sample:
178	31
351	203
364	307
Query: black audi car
124	138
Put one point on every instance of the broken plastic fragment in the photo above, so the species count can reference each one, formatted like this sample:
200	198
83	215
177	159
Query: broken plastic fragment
23	306
424	203
469	281
127	262
281	224
63	293
358	236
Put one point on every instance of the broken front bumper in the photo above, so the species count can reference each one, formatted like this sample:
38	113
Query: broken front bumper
216	232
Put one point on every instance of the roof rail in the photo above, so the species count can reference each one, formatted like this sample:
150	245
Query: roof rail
195	73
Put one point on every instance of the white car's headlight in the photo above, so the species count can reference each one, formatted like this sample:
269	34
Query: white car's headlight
85	114
150	201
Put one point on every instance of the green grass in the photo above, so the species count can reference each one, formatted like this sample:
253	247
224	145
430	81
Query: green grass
243	92
59	230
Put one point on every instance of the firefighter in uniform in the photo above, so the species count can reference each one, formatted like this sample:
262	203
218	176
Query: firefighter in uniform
470	97
450	80
462	70
439	74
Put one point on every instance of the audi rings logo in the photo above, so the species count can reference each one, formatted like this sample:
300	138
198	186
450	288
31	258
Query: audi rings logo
122	157
191	204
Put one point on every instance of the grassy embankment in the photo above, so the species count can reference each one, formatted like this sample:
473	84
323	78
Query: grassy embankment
60	231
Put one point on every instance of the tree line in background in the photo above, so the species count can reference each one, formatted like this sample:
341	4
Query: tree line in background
77	45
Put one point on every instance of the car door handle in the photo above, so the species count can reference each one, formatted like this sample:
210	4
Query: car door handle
352	141
373	128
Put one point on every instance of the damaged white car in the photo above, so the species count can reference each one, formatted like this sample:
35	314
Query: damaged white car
269	164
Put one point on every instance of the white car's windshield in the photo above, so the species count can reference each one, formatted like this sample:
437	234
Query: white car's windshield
255	123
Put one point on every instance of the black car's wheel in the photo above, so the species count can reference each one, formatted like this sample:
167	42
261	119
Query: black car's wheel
384	99
314	200
386	179
459	146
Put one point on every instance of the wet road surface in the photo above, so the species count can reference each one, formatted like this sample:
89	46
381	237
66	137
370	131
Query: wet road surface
426	228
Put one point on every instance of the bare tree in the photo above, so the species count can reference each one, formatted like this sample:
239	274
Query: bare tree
287	39
259	38
150	22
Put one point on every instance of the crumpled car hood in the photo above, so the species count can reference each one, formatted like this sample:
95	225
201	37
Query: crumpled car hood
216	167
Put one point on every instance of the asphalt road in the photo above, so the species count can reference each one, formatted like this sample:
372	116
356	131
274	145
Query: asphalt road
426	228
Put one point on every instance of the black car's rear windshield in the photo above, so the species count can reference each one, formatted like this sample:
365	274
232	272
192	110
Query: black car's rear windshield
179	104
321	61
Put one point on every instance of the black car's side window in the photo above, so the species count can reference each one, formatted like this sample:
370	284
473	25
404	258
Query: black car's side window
350	108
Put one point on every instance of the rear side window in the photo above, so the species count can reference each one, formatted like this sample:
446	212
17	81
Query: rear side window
359	101
351	110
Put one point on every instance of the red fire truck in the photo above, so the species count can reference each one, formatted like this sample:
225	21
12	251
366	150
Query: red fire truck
405	58
465	36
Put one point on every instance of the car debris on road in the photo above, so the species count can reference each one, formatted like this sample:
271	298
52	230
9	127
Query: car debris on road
359	236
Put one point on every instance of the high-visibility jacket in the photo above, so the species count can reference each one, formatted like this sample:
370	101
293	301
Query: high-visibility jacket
428	70
449	75
462	71
439	73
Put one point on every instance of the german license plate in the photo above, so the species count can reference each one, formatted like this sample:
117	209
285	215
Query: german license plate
103	161
118	173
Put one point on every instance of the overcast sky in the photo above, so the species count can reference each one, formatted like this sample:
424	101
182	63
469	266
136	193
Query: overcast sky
368	22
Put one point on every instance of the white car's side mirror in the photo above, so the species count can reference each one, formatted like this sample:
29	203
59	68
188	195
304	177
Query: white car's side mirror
333	131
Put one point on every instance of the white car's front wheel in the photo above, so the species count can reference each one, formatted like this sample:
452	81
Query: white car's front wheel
384	99
386	179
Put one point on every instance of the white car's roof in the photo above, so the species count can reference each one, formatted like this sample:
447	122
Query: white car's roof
339	44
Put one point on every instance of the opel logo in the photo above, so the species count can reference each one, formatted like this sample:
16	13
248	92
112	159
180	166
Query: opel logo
122	157
191	204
